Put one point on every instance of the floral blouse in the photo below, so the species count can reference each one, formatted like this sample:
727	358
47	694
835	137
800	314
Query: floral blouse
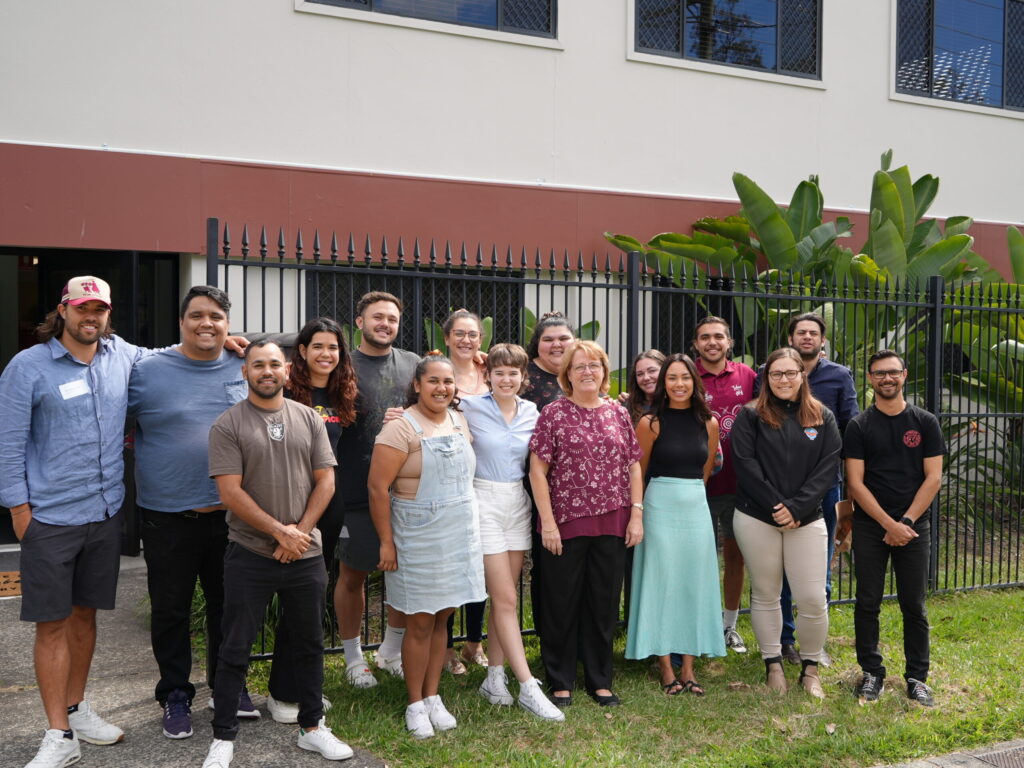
589	451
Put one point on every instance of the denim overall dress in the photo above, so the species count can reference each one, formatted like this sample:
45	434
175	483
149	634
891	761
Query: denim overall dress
437	534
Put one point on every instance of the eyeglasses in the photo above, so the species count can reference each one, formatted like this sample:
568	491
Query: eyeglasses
780	375
894	374
471	335
594	366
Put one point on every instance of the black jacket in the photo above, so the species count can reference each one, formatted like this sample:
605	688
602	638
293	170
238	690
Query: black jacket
791	465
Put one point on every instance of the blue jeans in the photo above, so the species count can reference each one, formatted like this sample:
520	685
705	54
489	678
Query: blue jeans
828	505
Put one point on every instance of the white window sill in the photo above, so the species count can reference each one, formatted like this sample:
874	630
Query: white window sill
720	69
353	14
925	101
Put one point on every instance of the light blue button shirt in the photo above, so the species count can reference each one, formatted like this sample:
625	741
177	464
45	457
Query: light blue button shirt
62	431
501	449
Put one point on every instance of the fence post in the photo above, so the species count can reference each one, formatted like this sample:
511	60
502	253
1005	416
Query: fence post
632	307
212	233
933	397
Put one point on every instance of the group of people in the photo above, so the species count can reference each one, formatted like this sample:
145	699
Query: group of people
261	478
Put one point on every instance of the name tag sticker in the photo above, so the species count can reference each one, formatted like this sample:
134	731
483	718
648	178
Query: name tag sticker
74	388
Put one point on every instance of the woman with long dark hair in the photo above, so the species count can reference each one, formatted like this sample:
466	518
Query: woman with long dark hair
421	501
678	439
321	376
785	448
643	378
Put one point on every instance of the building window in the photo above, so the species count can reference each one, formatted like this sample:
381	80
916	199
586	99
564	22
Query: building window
782	36
970	51
528	17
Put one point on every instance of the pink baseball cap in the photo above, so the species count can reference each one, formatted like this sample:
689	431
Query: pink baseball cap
79	290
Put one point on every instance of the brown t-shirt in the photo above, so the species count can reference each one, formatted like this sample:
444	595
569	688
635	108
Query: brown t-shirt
399	433
276	453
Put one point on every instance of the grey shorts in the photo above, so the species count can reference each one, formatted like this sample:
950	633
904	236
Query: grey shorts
722	509
66	565
358	543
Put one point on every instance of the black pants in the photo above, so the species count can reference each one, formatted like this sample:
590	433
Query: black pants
250	580
910	565
180	548
283	683
474	623
580	610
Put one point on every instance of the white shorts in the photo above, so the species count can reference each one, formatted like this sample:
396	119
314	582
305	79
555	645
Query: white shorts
504	516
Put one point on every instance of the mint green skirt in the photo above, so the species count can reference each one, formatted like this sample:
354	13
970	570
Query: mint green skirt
676	600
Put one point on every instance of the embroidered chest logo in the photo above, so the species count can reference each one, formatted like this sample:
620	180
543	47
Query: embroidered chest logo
737	389
276	430
911	438
811	433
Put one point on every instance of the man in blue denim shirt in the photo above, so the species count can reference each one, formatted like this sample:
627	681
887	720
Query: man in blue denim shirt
62	410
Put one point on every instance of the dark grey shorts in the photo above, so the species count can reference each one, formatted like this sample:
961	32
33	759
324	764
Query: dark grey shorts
722	509
358	544
66	565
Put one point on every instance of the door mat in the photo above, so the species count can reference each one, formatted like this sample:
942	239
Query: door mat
10	583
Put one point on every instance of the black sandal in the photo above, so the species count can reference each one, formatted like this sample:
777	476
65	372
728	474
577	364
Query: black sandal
692	686
674	688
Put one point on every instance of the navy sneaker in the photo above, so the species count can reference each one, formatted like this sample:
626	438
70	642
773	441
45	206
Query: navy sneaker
177	715
246	709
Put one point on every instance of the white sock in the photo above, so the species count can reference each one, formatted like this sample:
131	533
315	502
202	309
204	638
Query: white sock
353	652
729	618
392	645
416	706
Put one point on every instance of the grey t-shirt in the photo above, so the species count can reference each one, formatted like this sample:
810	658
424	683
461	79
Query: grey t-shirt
383	383
276	453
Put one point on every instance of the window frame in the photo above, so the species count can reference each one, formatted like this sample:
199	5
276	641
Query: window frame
777	72
940	102
367	7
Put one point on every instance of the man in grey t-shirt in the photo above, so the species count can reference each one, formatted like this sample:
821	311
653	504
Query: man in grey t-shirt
274	469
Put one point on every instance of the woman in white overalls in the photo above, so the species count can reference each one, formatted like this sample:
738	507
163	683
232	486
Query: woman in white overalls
421	500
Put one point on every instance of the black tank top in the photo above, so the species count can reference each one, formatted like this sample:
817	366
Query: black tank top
681	448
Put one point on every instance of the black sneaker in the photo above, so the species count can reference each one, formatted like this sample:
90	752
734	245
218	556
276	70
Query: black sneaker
870	687
919	692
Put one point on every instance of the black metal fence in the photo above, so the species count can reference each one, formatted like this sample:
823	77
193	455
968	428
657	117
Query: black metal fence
964	346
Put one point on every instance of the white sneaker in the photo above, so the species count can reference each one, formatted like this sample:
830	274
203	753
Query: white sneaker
220	754
288	712
90	727
440	717
56	751
326	743
392	665
533	700
495	689
417	722
360	676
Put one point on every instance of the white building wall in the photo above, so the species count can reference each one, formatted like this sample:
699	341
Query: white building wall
264	81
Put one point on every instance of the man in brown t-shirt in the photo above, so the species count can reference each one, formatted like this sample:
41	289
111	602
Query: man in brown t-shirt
274	470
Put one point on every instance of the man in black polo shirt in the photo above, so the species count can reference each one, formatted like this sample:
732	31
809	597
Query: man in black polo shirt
894	456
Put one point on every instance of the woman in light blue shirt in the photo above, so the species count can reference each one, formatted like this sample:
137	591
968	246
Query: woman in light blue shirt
502	423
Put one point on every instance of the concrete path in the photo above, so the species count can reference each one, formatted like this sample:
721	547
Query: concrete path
121	689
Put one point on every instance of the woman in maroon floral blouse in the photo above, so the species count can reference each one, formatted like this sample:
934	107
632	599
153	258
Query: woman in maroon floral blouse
585	472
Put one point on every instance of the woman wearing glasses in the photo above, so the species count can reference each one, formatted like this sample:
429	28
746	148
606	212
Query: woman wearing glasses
785	449
587	485
463	334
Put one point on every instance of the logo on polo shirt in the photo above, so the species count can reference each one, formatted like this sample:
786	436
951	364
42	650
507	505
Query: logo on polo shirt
811	433
737	389
911	438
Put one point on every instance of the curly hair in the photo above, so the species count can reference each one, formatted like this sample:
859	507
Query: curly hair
341	383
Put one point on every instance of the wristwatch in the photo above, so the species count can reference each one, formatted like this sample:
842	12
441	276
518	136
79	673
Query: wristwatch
907	521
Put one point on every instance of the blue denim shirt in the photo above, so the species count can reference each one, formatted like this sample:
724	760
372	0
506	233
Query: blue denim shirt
62	431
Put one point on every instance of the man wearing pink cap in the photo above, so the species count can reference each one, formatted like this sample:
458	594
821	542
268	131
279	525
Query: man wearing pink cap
62	412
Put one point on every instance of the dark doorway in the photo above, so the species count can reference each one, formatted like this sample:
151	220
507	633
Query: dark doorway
145	293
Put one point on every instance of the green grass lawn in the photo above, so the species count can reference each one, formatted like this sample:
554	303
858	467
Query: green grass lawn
977	665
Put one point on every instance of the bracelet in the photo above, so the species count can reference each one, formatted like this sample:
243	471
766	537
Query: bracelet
638	504
549	530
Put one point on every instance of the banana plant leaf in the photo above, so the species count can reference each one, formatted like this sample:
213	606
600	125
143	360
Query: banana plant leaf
931	261
527	322
776	237
590	331
735	228
888	250
624	242
488	332
905	189
926	234
804	212
958	225
864	271
1015	240
434	333
886	199
925	190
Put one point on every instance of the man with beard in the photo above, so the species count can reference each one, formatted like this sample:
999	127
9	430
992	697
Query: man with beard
893	454
832	384
383	376
728	385
175	396
274	469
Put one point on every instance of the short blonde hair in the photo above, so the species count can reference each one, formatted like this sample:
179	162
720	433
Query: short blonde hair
593	351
